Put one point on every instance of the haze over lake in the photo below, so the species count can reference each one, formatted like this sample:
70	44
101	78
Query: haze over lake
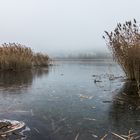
58	77
54	26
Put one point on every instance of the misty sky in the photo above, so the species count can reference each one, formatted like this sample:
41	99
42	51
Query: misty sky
63	25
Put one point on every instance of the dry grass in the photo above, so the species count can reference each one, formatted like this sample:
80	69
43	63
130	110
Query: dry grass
18	57
130	136
124	42
40	59
15	57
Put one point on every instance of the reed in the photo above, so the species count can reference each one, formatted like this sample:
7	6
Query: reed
19	57
124	43
40	59
15	57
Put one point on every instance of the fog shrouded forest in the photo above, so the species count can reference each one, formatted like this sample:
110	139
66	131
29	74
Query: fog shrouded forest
84	55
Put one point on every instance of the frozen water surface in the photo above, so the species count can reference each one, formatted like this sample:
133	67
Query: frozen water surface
72	100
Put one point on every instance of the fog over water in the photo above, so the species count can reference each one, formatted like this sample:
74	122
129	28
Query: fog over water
55	26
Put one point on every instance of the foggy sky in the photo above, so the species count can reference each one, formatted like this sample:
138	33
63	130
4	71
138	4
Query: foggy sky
63	25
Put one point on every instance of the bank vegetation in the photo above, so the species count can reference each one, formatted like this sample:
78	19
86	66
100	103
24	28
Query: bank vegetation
124	43
19	57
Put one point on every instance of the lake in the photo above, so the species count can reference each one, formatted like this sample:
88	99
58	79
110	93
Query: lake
72	100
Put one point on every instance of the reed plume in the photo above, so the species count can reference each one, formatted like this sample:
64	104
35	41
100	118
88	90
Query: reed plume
124	43
15	57
19	57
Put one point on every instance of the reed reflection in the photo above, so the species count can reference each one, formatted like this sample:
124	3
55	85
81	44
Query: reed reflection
18	80
124	112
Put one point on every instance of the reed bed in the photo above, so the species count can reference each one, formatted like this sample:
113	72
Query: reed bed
19	57
15	57
124	43
40	59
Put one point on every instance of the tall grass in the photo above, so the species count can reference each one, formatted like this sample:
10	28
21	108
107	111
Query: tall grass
40	59
19	57
124	42
15	57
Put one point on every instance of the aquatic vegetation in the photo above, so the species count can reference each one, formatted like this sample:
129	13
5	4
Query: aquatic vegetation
104	137
130	136
40	59
9	126
77	136
124	42
18	57
15	57
81	96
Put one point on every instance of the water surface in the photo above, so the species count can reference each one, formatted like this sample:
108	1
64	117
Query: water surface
65	101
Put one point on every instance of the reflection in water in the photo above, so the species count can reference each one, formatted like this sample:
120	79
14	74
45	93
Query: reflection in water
12	79
125	110
52	108
40	72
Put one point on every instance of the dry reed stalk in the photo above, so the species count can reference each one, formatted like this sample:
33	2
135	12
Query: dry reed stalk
104	137
40	59
18	57
131	136
15	57
124	42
